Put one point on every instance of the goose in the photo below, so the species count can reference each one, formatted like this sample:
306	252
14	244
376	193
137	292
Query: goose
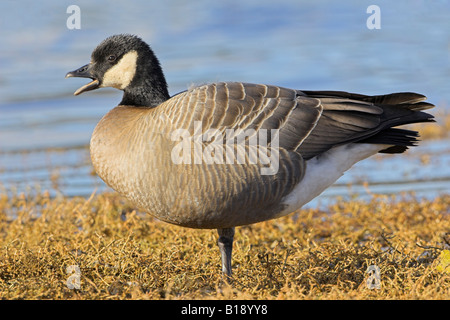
228	154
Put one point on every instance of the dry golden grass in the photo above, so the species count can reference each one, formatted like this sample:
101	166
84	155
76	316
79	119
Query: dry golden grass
311	254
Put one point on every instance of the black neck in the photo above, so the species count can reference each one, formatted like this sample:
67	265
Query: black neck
149	86
145	96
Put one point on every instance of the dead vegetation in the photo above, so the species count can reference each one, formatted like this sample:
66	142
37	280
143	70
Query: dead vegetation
311	254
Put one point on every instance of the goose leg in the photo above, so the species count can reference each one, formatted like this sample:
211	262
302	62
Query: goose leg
226	247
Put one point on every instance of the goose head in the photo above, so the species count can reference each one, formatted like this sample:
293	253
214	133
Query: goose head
127	63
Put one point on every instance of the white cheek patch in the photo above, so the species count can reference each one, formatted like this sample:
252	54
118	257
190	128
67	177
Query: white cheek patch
122	73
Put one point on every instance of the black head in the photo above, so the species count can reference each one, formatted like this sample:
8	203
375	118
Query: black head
127	63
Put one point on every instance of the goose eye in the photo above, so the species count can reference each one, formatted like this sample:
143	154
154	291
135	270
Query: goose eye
111	58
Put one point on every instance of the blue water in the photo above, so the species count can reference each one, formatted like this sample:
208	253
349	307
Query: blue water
312	45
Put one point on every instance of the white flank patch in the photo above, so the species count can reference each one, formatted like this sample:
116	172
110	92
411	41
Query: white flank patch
122	73
323	170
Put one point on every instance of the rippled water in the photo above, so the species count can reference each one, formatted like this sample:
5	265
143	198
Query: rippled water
314	45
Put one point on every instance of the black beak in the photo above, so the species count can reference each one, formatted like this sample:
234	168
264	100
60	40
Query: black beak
84	72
